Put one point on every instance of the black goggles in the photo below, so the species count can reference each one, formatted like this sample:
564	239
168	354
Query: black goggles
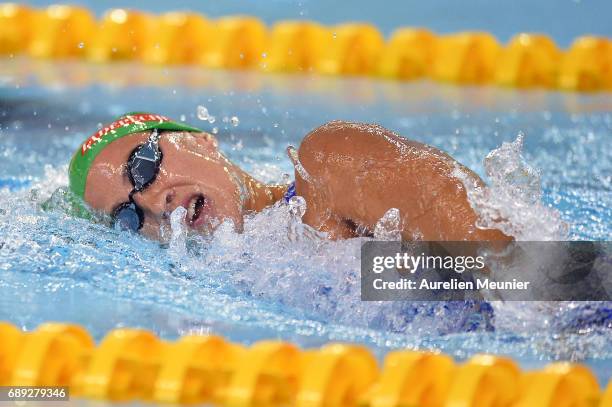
142	168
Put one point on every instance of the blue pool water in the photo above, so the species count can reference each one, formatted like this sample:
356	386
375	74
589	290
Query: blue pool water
274	281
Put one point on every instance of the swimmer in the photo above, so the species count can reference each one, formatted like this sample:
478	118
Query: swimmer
143	166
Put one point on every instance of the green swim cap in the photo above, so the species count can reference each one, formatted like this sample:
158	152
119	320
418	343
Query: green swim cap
125	125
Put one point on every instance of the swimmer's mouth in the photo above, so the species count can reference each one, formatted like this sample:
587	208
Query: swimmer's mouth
195	210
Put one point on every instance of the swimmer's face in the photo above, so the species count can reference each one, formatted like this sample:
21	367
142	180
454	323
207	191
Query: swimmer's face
193	174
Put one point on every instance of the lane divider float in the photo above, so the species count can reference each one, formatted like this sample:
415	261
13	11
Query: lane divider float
242	42
134	364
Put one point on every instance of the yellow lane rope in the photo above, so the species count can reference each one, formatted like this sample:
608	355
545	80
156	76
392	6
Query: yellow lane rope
134	364
242	42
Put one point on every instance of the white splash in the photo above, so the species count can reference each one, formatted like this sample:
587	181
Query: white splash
296	229
178	237
512	200
389	226
297	206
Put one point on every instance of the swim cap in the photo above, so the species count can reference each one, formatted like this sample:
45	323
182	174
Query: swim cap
125	125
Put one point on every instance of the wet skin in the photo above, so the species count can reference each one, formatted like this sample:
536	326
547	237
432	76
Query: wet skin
352	174
193	174
358	171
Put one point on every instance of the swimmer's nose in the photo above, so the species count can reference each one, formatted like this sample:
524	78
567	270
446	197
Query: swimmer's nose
170	195
156	201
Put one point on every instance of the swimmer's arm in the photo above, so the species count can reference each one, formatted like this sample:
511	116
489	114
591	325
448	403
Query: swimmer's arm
353	174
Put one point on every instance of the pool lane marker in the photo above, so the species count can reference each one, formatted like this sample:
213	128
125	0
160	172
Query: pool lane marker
349	49
134	364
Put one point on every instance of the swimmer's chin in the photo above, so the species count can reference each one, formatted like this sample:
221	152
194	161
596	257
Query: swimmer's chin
210	225
205	228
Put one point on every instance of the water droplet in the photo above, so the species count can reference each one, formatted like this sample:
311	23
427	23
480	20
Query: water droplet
81	45
215	130
263	55
275	125
183	118
235	121
202	113
211	119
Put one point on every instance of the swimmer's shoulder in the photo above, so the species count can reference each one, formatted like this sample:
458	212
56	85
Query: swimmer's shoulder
347	130
357	138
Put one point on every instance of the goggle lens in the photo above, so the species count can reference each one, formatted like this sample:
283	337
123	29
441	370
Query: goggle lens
143	166
128	217
144	163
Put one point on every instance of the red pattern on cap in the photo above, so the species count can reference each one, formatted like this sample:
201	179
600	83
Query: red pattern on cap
122	122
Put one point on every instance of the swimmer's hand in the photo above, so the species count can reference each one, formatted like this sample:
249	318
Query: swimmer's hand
350	174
